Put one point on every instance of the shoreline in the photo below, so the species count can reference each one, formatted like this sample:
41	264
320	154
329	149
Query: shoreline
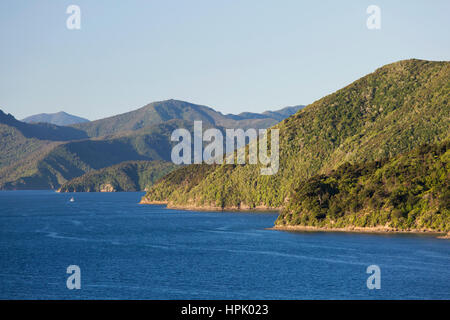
151	202
211	208
367	230
298	228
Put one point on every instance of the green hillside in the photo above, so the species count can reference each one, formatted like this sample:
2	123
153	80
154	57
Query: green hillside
23	145
407	192
126	176
49	168
390	111
14	145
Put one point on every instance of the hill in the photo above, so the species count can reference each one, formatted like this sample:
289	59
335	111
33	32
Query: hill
45	156
41	131
126	176
390	111
48	168
60	118
19	140
161	111
407	192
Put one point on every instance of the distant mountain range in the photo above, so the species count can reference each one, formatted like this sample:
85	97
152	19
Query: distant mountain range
391	111
162	111
44	156
60	118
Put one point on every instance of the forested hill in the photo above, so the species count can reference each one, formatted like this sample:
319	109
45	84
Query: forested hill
38	164
407	192
388	112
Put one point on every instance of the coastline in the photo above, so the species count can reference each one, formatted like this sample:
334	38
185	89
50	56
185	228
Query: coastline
352	229
299	228
210	208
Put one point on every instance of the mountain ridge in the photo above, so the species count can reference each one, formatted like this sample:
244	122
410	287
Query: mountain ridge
161	111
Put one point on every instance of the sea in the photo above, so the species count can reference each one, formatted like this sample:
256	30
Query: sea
108	246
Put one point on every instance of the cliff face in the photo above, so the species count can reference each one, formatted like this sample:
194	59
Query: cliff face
391	111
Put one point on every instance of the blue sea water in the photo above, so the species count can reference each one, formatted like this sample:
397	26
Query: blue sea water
131	251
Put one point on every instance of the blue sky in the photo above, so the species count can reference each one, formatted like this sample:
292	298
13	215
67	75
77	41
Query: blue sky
231	55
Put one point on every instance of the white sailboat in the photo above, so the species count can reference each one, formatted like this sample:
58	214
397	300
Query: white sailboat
72	199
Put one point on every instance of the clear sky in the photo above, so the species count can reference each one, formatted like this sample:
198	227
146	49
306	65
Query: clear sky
231	55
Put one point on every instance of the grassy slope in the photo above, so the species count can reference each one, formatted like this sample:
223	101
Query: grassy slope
126	176
407	192
383	114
